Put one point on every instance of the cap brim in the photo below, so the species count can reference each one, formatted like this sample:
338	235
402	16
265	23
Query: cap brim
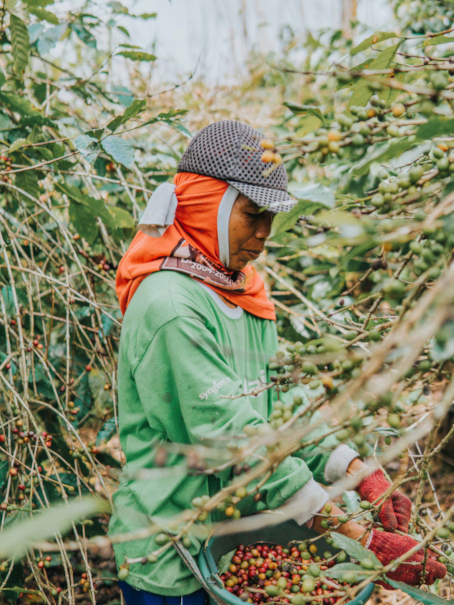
274	200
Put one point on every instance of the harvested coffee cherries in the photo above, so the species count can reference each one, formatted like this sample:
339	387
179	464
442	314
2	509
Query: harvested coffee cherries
282	575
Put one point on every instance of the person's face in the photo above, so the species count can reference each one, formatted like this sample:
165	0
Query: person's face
249	227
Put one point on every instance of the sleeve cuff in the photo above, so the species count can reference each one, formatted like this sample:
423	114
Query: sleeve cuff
338	462
308	501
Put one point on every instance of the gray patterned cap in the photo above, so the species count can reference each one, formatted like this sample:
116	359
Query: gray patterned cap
231	151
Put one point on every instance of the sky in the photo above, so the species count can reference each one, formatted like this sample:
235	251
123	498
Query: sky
217	35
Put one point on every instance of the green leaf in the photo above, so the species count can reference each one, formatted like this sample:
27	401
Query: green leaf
18	143
308	124
124	96
382	154
305	110
38	3
419	595
338	570
124	30
434	127
445	350
351	500
15	540
386	431
20	44
438	40
135	108
315	193
84	210
106	431
353	548
123	218
83	34
360	67
50	37
169	118
44	15
95	134
136	55
88	147
361	92
4	467
181	127
28	181
2	79
389	95
18	103
286	220
8	300
374	39
311	199
83	218
119	150
148	16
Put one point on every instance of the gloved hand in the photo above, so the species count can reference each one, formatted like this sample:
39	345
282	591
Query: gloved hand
396	510
388	547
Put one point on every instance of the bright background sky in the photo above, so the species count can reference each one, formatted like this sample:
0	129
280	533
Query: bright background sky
221	33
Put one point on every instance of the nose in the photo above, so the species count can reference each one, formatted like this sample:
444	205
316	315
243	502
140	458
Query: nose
264	226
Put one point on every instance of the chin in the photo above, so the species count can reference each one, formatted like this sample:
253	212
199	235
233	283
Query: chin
239	266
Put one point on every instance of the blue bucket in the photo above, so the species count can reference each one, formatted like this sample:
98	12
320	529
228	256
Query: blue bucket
219	544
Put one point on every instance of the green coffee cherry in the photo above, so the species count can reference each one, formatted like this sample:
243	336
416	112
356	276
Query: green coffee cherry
272	590
341	557
367	564
393	421
161	539
349	577
314	570
308	585
443	533
342	435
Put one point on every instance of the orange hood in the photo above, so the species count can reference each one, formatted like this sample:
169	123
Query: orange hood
195	228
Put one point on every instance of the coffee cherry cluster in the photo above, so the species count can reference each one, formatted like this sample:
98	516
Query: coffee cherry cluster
270	155
5	166
285	575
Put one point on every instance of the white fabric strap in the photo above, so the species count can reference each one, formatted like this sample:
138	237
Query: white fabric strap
160	214
224	211
305	503
160	211
338	462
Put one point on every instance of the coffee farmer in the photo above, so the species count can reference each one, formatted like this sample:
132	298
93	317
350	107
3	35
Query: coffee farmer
198	330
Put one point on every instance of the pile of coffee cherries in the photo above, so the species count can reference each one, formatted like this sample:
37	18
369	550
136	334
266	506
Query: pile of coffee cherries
280	574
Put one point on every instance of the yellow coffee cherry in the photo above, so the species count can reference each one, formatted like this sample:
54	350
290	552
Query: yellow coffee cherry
267	156
334	135
266	144
398	110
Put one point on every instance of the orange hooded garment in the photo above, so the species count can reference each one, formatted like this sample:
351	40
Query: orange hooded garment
194	229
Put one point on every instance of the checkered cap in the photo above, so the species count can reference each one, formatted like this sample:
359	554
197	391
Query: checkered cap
231	151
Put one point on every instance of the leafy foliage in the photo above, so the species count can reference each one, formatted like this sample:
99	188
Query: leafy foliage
360	271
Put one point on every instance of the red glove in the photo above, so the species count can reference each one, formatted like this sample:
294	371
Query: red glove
388	547
395	512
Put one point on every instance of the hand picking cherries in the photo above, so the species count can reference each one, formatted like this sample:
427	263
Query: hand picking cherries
284	575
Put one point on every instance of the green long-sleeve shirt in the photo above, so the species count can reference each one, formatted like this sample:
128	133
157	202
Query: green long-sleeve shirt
182	352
